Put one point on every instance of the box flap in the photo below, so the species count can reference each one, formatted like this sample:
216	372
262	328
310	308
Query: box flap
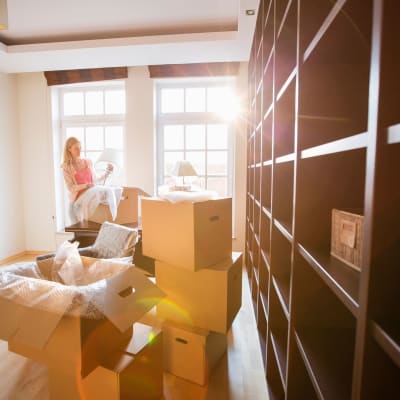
142	336
128	296
44	322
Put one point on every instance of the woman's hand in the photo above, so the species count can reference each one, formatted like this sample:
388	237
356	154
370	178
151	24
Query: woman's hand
89	185
110	168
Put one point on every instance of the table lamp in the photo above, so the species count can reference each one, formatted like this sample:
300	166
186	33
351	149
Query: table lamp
183	168
109	156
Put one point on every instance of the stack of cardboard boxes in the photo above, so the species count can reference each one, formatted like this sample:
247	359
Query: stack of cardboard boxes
202	278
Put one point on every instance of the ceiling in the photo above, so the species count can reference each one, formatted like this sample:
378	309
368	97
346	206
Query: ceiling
55	34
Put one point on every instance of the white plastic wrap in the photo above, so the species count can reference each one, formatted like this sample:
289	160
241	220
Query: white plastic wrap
177	196
24	284
87	203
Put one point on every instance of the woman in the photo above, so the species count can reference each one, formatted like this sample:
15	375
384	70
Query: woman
79	176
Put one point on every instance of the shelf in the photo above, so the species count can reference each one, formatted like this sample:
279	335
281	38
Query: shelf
267	139
330	370
268	33
341	279
337	7
326	330
393	134
284	228
289	82
300	386
283	193
280	358
285	159
282	291
339	66
266	185
266	259
380	372
269	111
276	390
281	266
267	212
355	142
265	233
324	183
388	338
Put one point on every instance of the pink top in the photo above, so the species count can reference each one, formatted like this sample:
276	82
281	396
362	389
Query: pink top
76	180
83	176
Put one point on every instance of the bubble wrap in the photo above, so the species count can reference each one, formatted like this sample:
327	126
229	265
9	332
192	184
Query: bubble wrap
24	284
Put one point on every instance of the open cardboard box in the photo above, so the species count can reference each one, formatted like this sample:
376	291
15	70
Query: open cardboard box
127	211
72	346
135	371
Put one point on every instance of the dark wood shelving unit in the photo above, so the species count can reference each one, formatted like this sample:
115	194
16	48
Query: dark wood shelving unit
324	133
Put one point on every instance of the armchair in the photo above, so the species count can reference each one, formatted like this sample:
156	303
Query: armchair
113	241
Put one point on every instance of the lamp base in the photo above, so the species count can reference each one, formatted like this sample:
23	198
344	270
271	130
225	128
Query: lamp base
182	188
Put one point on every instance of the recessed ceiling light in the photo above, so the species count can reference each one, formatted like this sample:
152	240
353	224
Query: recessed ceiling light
250	12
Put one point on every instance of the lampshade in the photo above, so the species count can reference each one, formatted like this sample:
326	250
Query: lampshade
3	15
184	168
110	156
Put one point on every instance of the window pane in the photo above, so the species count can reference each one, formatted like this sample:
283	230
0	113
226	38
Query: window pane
114	137
173	137
195	100
76	131
217	162
220	185
170	159
217	97
93	155
217	136
94	103
200	181
94	138
171	100
198	160
115	101
195	137
73	103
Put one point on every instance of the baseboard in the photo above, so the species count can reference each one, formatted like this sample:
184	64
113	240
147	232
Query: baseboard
22	254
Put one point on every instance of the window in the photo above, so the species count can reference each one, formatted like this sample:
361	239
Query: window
193	123
95	114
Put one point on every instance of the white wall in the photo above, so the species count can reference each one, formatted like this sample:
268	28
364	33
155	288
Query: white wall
11	205
139	129
36	161
37	164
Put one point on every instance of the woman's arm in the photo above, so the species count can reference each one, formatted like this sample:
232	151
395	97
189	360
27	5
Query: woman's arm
98	179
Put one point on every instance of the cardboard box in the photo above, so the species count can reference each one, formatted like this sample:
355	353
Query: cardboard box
127	209
207	299
134	372
192	353
347	237
186	234
73	346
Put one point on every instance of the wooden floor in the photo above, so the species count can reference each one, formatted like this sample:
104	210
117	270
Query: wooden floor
238	376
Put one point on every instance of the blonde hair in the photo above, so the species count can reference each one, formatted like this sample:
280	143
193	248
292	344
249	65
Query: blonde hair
67	157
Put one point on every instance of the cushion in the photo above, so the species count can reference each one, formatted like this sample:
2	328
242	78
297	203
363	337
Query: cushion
114	241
